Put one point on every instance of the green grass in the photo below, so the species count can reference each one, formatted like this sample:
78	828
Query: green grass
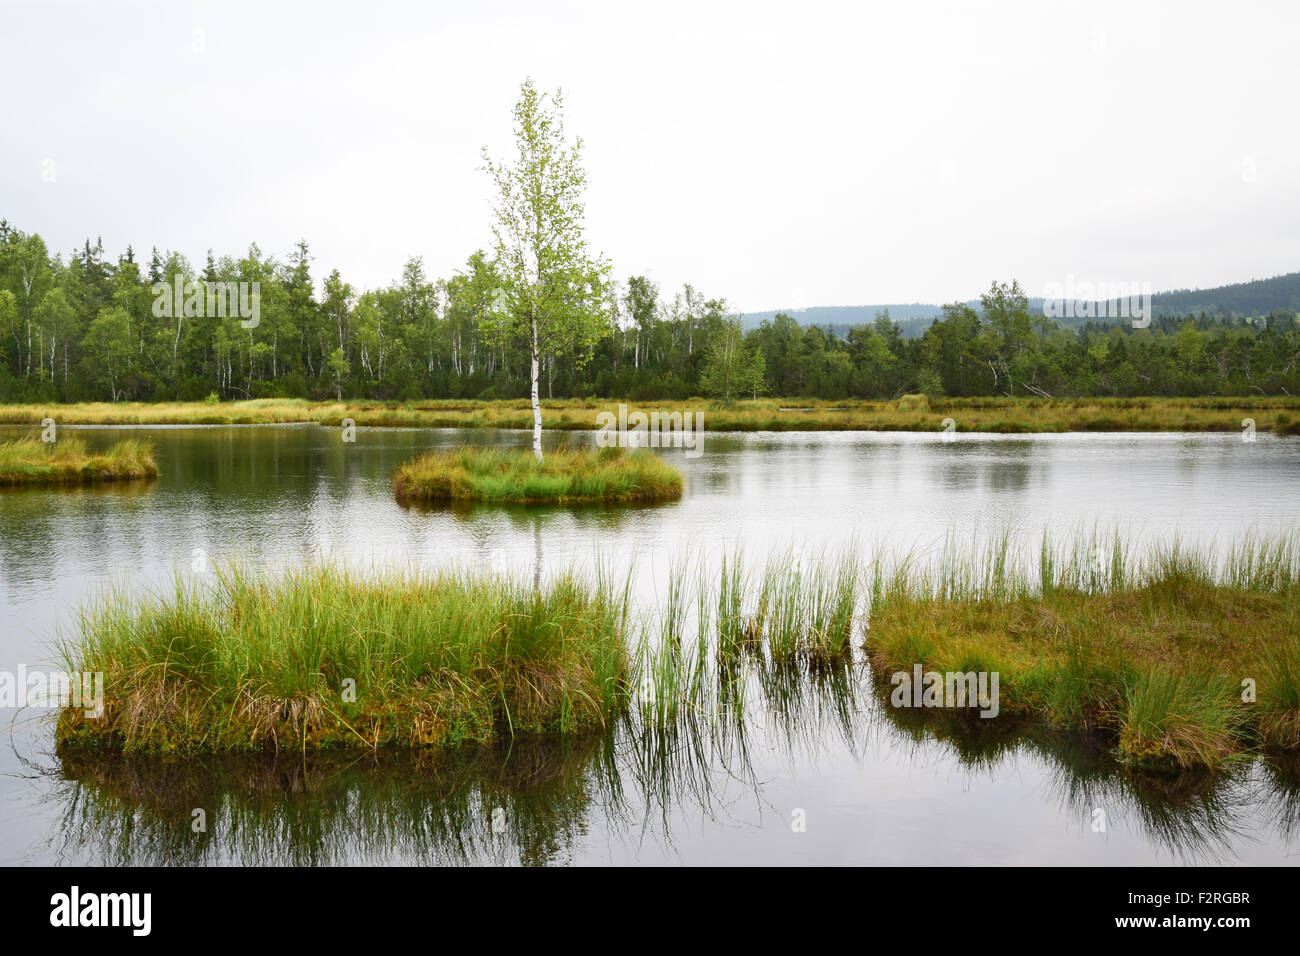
1153	652
1278	414
30	462
515	475
326	657
257	661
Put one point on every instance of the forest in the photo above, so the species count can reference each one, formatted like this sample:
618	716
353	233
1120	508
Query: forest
86	329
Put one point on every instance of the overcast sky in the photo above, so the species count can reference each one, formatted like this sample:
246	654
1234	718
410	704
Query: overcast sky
784	155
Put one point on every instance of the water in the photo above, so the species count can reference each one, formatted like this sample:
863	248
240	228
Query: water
815	774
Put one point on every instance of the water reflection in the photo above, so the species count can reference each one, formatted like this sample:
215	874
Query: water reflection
546	800
522	804
1196	815
715	788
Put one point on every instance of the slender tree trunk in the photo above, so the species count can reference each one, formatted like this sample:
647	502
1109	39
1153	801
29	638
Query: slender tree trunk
537	405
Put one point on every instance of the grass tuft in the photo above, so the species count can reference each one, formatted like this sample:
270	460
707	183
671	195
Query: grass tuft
68	462
325	657
1186	661
515	475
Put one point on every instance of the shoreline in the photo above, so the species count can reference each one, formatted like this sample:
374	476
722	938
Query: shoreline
916	413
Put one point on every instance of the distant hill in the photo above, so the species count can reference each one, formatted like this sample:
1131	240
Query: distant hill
1257	297
840	319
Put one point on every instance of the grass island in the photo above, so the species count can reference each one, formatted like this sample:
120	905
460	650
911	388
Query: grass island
563	476
68	462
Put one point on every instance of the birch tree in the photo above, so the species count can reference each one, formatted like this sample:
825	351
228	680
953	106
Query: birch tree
554	291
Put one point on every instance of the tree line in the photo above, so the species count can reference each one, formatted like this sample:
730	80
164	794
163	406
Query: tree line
85	329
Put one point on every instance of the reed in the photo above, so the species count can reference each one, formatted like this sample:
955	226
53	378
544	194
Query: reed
1182	657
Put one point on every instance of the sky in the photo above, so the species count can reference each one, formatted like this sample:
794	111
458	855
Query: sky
775	155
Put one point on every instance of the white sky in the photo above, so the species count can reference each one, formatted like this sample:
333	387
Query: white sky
782	155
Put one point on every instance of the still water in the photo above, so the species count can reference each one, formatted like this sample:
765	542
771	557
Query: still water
819	773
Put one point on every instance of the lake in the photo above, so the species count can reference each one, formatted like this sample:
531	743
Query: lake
819	773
